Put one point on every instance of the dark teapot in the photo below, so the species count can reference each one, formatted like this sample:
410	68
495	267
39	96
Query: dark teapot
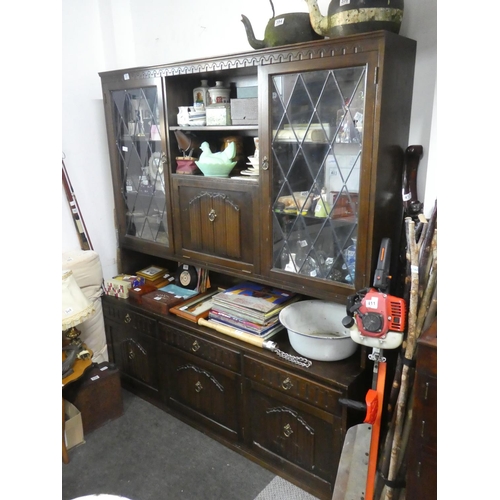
294	27
356	16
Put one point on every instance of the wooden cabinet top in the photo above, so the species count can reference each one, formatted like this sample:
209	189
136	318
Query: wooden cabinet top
353	44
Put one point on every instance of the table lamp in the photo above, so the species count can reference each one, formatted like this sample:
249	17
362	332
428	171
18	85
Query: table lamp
76	308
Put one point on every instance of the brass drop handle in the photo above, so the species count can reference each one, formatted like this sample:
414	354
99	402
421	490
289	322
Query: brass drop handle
195	346
265	163
212	215
131	354
127	318
163	158
287	430
198	387
287	384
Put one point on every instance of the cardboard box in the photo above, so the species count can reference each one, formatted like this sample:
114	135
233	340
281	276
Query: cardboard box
218	114
247	92
117	288
244	111
73	427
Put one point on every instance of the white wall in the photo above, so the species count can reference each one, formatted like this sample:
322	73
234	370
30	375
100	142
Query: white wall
102	35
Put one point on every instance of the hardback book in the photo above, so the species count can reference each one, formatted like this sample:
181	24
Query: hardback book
250	314
273	331
243	324
260	298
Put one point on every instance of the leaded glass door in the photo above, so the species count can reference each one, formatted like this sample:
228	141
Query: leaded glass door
137	132
315	150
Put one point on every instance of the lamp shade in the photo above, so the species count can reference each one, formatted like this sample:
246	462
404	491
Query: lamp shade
76	308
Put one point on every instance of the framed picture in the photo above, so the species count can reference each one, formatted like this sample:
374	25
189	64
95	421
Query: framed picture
195	308
152	272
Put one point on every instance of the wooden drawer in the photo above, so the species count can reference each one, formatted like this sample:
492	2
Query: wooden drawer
204	392
302	440
293	385
136	356
129	319
424	413
200	347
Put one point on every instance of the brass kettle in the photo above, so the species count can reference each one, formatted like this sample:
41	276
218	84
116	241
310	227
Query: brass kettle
356	16
294	27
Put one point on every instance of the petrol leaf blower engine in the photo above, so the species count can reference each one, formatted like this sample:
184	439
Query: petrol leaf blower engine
375	318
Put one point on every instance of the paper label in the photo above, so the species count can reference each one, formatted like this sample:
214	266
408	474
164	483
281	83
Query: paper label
126	76
279	22
344	2
103	368
96	377
406	196
372	303
124	148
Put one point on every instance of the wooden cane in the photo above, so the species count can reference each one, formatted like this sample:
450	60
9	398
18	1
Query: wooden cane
234	332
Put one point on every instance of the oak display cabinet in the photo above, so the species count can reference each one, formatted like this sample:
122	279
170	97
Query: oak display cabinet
333	123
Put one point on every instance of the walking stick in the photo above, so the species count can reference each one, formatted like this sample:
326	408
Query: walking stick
81	229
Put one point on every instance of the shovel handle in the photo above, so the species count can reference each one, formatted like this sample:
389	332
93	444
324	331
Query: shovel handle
354	405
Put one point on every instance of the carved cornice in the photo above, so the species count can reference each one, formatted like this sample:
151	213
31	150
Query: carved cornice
318	49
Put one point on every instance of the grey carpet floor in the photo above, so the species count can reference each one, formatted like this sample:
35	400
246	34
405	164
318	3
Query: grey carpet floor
147	454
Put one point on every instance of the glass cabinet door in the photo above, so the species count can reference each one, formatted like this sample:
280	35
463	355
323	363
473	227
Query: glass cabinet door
316	141
136	122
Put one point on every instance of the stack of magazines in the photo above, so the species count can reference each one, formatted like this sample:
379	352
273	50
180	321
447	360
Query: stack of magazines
251	308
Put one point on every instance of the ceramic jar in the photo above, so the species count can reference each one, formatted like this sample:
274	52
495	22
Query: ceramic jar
183	116
201	99
219	94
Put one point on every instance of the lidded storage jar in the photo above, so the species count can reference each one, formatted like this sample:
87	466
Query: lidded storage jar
219	94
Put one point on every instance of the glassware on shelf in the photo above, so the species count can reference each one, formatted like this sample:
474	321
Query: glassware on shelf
322	207
304	263
350	261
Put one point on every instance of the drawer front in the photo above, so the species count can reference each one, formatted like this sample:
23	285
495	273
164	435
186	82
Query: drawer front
202	348
130	319
135	355
308	439
204	392
293	385
421	479
425	414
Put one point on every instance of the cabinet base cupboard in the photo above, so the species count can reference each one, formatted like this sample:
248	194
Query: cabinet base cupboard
307	214
283	416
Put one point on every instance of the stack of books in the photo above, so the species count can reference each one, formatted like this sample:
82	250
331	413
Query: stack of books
251	308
